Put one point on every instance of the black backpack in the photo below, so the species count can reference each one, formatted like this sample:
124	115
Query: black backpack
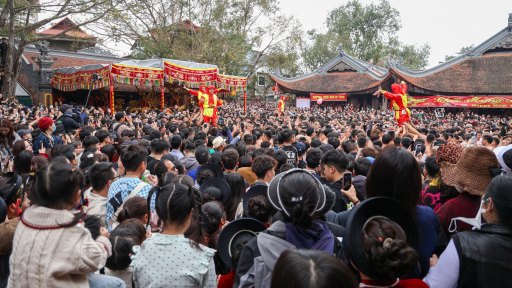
113	133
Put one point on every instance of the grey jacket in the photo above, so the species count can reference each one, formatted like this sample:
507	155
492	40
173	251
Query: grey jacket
269	248
189	162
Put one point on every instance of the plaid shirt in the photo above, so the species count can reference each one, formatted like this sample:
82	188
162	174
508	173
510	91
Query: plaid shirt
119	191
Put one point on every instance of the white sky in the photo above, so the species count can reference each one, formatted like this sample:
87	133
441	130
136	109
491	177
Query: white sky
447	25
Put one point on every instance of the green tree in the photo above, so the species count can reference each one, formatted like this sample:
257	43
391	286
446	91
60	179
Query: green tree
226	33
20	24
462	50
367	32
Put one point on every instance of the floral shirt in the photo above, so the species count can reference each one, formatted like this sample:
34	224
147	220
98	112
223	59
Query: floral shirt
171	261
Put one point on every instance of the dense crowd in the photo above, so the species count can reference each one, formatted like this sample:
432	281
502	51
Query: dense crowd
328	196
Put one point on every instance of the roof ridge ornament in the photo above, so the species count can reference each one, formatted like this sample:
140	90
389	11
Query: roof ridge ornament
340	49
510	19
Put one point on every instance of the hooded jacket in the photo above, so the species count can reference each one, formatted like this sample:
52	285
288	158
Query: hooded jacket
189	162
260	255
68	121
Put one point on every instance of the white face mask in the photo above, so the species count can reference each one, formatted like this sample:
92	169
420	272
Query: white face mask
475	222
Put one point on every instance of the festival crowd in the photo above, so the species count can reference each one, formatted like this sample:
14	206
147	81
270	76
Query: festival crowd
328	196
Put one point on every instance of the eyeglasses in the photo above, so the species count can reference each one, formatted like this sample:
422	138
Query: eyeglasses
115	177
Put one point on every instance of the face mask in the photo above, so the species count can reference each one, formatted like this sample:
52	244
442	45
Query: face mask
54	128
475	222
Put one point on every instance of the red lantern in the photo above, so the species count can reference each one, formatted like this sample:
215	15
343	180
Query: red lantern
273	88
319	101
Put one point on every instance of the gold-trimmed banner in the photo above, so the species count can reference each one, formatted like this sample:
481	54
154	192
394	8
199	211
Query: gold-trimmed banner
461	101
137	75
190	77
329	97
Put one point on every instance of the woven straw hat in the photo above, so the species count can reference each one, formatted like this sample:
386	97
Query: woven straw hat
471	173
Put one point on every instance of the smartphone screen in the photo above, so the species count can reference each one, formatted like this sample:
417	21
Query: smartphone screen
347	180
205	125
418	148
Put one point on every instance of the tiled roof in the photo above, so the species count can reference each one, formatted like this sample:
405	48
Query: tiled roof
490	74
65	61
336	82
62	25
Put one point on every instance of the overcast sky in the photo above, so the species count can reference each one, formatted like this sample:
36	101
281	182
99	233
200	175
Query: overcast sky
447	25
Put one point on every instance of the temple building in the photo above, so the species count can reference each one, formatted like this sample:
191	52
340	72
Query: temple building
484	71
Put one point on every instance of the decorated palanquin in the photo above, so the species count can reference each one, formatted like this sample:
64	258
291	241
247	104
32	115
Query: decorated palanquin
142	73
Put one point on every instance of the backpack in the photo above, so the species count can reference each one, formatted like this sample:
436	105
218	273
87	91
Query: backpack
113	133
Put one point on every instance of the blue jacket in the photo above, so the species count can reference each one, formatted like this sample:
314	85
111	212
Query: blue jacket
42	138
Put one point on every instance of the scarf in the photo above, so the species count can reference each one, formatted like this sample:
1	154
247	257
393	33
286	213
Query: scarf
319	237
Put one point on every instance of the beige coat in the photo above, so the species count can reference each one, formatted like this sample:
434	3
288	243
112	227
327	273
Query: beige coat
46	255
97	206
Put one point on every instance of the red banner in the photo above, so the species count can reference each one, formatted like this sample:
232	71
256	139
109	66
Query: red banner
231	83
461	101
111	97
329	97
137	75
162	98
86	78
66	82
190	77
245	102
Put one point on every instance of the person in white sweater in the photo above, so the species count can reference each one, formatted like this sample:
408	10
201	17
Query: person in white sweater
51	246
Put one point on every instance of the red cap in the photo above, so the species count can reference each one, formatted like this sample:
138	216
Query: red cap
44	123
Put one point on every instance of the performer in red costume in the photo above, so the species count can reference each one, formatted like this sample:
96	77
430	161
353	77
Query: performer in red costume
201	95
398	101
210	106
280	106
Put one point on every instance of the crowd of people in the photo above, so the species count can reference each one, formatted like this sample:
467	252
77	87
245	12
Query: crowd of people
328	196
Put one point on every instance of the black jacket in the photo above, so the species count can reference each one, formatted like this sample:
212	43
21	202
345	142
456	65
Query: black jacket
341	199
69	123
485	256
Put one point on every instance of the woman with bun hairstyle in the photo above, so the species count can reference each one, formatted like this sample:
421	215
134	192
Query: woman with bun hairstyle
381	240
216	216
259	208
169	257
297	195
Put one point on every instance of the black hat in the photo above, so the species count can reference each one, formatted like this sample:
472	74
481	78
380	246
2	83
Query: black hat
212	166
253	191
274	195
371	208
3	210
220	183
235	232
65	107
220	122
